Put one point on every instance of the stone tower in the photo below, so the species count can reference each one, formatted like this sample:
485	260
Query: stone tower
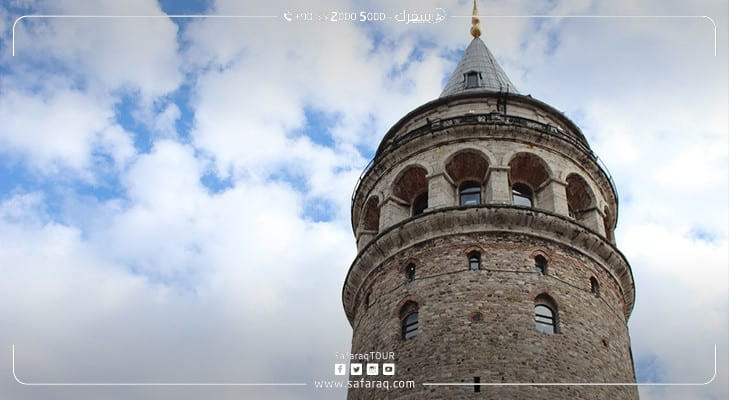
486	255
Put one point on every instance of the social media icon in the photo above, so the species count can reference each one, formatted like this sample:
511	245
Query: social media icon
373	369
388	369
355	369
340	369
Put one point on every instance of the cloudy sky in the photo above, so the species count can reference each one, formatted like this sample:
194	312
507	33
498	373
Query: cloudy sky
175	193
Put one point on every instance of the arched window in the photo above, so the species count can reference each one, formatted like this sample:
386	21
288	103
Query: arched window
594	286
410	272
409	320
540	265
545	314
420	204
468	168
544	318
527	173
411	186
470	194
368	300
579	196
474	261
522	195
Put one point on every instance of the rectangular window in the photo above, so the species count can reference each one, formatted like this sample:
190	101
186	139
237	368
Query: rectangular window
471	80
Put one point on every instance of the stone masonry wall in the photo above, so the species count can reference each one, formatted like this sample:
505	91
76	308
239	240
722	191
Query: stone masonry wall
592	343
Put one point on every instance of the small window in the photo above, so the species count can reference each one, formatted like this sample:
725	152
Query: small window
474	261
471	80
544	318
476	317
410	272
420	204
545	314
368	300
470	194
522	195
540	265
410	326
594	286
409	320
476	384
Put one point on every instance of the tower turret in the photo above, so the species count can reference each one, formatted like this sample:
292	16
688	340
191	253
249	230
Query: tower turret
484	229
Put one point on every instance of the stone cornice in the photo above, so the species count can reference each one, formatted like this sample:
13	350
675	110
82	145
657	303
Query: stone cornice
488	218
480	97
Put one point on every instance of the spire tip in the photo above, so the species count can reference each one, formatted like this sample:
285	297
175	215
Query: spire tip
475	22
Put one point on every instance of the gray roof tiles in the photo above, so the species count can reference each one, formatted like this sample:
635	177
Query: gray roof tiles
477	57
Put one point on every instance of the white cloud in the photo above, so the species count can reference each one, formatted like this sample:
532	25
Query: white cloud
244	275
111	53
656	113
69	74
209	271
59	128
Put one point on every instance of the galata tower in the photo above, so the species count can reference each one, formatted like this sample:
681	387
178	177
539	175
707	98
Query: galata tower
486	258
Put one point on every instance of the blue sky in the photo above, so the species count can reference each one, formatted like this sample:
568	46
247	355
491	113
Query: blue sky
170	184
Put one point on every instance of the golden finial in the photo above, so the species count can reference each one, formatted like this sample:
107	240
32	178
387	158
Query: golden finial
475	22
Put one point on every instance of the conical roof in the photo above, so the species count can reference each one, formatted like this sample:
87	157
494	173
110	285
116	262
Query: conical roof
489	77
